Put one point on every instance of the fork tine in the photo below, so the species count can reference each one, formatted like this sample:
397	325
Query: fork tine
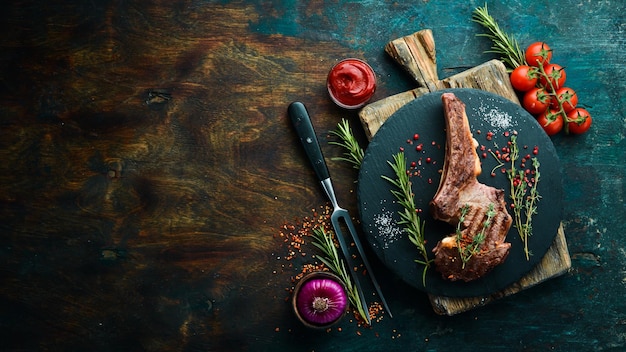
355	238
335	216
368	267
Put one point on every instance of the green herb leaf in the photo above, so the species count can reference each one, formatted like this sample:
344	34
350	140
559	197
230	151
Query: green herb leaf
324	241
469	250
502	43
523	198
354	153
414	226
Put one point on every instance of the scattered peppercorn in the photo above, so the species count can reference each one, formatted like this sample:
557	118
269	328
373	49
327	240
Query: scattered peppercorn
295	237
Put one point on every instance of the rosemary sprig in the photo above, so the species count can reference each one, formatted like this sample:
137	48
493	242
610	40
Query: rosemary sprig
324	241
503	43
414	226
466	252
354	152
524	206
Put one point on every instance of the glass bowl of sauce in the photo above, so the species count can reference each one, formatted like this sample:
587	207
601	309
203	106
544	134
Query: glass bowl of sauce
351	83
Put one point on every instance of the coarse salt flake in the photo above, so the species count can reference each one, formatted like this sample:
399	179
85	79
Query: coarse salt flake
387	230
499	120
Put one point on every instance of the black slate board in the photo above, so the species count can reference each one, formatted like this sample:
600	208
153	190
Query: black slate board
424	116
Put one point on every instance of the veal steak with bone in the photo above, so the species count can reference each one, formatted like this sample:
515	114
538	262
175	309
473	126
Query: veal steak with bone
460	193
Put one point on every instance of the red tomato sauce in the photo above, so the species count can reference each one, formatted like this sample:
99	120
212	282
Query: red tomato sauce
351	83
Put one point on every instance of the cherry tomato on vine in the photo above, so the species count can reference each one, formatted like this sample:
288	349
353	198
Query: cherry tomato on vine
567	96
556	77
536	101
579	121
524	78
551	121
538	53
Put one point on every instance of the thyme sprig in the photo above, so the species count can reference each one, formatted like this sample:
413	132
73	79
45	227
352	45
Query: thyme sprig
324	241
354	152
414	226
468	251
524	198
503	43
530	205
499	162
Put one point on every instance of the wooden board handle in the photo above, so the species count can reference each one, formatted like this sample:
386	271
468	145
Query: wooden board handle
417	55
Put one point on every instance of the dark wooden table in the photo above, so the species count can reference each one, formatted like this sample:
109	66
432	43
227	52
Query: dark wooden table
149	169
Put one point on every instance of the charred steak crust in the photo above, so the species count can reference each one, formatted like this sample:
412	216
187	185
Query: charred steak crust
460	188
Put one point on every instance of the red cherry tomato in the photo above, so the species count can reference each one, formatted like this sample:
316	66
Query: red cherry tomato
536	101
538	53
567	96
556	76
524	78
551	121
579	121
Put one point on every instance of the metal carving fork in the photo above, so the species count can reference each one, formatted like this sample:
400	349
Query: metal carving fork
304	128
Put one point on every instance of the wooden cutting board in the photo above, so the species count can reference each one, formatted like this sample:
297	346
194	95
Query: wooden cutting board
417	55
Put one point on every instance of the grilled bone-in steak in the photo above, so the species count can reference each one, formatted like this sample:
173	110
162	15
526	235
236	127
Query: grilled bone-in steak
459	188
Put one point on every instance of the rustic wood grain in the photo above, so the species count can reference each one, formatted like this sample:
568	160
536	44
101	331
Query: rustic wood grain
416	53
147	162
148	168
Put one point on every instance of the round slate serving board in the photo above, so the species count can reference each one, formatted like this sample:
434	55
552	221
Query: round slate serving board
378	209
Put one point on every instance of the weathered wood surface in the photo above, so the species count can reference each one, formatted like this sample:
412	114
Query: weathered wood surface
148	167
416	53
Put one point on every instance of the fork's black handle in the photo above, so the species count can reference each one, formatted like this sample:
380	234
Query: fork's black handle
304	128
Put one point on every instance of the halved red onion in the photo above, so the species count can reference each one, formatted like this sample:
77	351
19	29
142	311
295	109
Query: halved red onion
320	299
